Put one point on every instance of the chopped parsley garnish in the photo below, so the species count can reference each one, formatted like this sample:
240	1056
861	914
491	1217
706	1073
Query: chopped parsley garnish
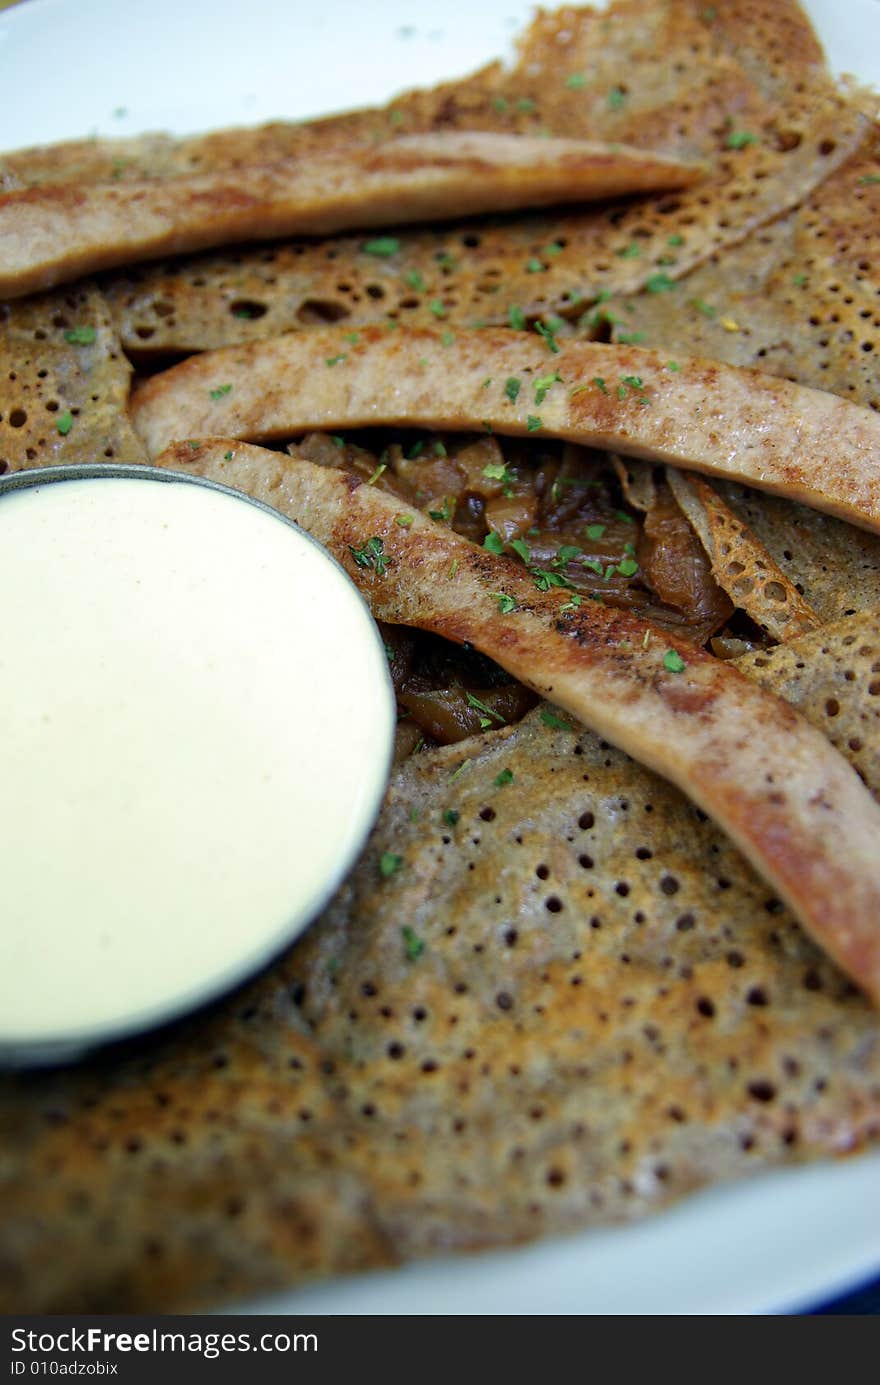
505	777
572	604
551	719
506	603
383	466
566	554
461	769
443	515
595	531
522	550
627	567
450	816
630	338
413	945
526	105
629	252
799	280
336	440
534	423
703	307
738	139
616	98
673	662
553	249
545	579
404	521
335	360
437	307
383	247
870	178
575	81
220	391
414	280
622	515
543	385
673	366
227	456
371	555
535	266
634	380
500	104
453	568
512	388
600	384
488	714
493	542
517	318
353	337
80	336
659	283
416	450
549	335
675	239
389	864
447	339
65	423
439	449
389	654
497	471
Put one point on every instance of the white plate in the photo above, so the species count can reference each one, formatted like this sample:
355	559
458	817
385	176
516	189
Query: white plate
71	69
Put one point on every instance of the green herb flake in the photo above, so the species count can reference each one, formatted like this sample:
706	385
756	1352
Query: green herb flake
493	542
371	555
461	769
500	104
870	178
335	360
522	550
403	521
383	466
594	565
505	777
552	250
629	252
390	864
517	318
535	266
622	515
506	603
437	307
450	816
595	531
738	139
673	366
443	515
489	714
383	247
414	280
616	98
572	604
673	662
549	335
336	440
600	384
512	388
675	239
64	423
439	449
575	80
799	280
227	456
447	339
389	654
453	568
544	579
534	423
659	283
496	471
630	338
413	945
416	450
551	719
221	391
543	384
634	380
703	307
627	567
622	391
81	336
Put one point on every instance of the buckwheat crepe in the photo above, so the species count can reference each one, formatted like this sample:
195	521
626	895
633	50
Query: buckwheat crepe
552	994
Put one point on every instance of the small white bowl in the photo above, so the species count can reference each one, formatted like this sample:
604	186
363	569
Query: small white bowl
198	724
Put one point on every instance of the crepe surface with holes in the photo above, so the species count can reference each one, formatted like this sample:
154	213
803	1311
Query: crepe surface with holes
742	86
608	1012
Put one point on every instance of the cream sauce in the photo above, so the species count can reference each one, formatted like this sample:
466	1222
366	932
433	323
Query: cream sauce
196	718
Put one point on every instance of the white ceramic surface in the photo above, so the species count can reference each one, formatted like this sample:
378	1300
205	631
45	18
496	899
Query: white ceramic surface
70	69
